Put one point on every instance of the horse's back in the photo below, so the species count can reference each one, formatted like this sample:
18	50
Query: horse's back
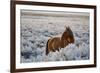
53	44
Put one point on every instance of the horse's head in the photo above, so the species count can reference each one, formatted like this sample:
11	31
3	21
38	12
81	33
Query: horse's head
68	35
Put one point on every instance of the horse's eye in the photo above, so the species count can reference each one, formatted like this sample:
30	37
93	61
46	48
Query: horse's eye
69	40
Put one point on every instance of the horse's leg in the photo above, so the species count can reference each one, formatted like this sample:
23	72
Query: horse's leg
58	49
53	50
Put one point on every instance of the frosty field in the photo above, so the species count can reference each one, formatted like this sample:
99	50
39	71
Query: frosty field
38	26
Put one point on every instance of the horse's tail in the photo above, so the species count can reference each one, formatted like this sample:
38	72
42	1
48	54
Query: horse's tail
47	51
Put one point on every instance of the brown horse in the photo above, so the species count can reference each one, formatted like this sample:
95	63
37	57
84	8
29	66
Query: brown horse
57	43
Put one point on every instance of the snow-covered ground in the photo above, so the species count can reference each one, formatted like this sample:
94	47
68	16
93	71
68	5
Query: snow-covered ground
37	28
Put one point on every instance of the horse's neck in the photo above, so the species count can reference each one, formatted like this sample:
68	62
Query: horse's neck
64	42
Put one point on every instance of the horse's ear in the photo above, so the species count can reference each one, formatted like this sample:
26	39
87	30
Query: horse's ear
66	27
69	28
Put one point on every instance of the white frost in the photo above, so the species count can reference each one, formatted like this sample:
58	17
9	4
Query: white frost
36	30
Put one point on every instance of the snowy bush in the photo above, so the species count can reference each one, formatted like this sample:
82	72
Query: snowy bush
36	30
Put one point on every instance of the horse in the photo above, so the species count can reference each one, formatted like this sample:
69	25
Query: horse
56	43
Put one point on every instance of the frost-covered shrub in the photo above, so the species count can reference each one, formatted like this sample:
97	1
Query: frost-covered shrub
36	30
